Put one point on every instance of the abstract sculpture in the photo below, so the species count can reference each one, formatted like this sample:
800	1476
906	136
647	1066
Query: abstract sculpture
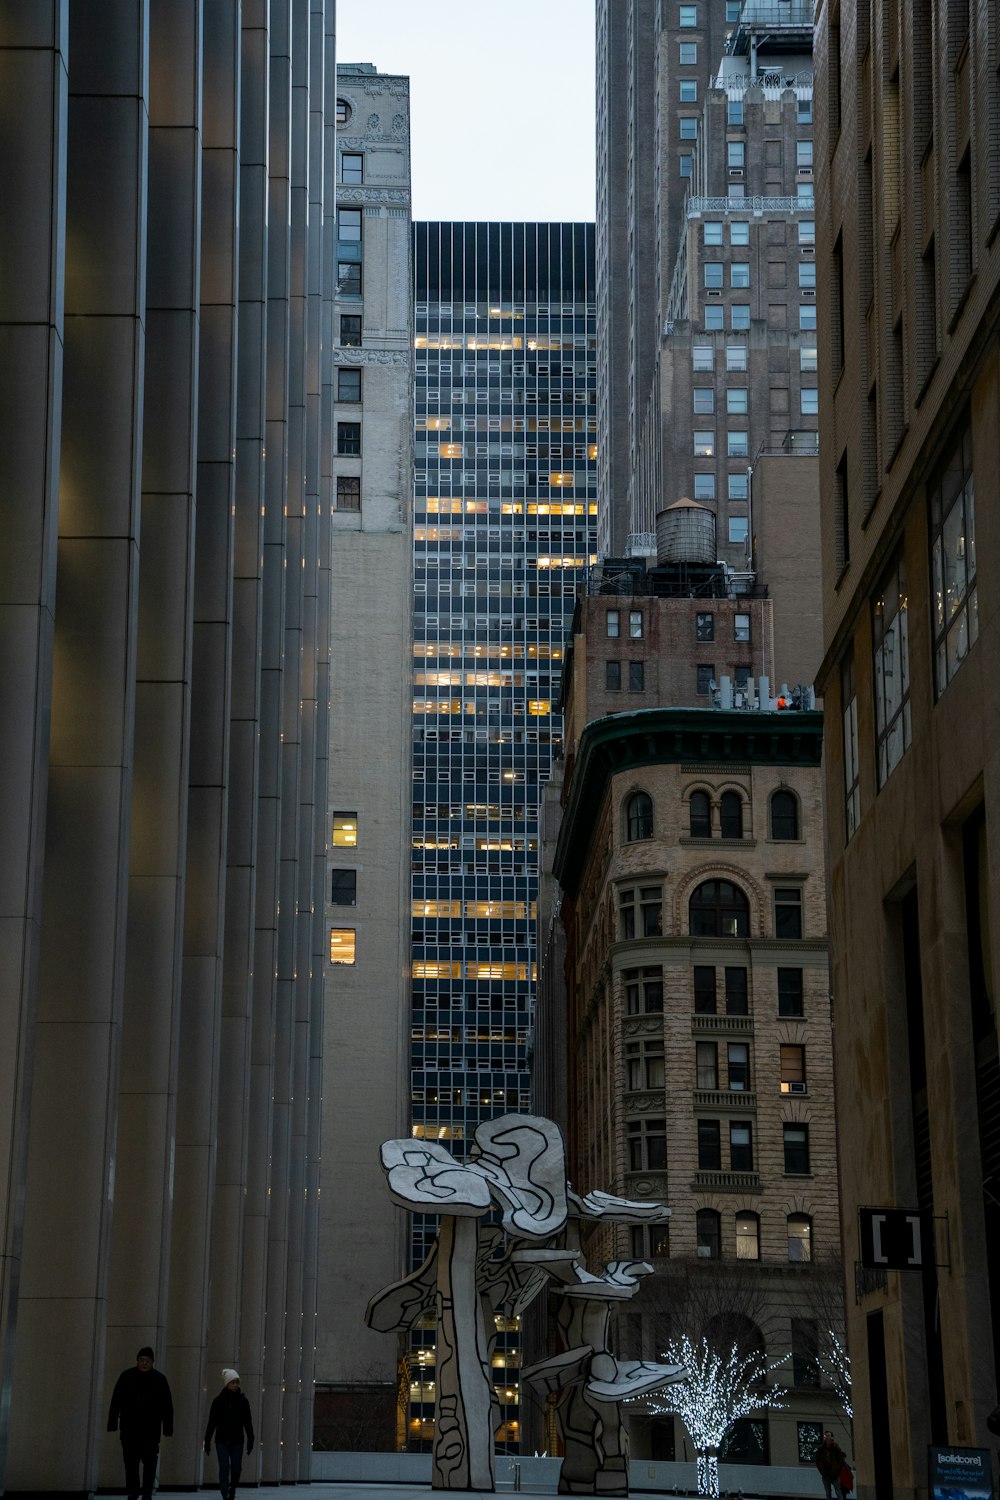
475	1271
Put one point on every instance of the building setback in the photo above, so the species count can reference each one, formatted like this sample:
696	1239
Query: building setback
503	528
908	176
165	687
366	1047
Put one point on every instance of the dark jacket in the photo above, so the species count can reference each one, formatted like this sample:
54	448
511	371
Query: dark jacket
829	1460
229	1418
141	1405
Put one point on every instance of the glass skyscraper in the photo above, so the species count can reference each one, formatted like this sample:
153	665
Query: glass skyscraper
504	527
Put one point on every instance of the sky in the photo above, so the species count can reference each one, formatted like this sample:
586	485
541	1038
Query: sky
501	99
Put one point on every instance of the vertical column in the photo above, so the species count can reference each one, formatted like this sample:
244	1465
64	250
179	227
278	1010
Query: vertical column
145	1192
33	85
70	1192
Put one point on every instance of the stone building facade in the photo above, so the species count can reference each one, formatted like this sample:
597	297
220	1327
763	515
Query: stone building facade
690	858
908	113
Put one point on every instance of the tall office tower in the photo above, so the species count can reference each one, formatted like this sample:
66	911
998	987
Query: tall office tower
362	1245
908	196
503	528
164	733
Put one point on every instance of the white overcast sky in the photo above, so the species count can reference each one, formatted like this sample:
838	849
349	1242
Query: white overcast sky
502	100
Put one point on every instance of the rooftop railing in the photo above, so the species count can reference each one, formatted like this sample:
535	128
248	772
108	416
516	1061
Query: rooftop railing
751	204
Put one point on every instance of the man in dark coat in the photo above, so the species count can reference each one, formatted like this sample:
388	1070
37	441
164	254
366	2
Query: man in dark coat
829	1460
229	1418
141	1407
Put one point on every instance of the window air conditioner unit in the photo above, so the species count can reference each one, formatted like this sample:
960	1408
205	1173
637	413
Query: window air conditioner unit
808	249
808	291
797	1088
705	1251
805	171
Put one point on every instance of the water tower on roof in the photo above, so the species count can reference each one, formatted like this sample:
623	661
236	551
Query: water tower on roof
685	533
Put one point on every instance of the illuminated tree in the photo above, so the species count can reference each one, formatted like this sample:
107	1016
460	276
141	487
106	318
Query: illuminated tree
835	1365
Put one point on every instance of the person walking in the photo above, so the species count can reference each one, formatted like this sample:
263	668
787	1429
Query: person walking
229	1418
829	1460
141	1406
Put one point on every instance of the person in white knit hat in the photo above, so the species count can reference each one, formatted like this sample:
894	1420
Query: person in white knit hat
229	1419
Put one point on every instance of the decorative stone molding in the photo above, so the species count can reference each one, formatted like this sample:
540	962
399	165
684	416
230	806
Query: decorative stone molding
372	195
371	357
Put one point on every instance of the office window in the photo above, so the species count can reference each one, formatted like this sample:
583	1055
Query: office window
804	155
636	677
954	597
706	1056
739	229
687	54
350	330
734	110
704	626
703	357
348	223
805	1352
685	164
349	438
704	990
688	91
740	1146
739	529
639	817
348	492
795	1140
704	486
799	1230
793	1068
345	830
714	318
739	273
739	316
809	401
737	993
808	359
738	487
807	317
738	1065
711	233
747	1236
700	816
787	912
714	274
705	676
718	908
704	400
709	1234
736	357
790	992
892	670
348	385
613	676
737	400
342	945
612	622
646	1143
784	815
737	444
687	15
852	773
807	274
635	624
807	231
736	155
689	128
704	443
349	278
343	888
731	815
709	1146
352	168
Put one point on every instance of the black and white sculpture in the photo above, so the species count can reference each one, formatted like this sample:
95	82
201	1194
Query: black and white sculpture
475	1271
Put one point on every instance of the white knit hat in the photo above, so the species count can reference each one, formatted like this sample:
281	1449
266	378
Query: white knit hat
228	1375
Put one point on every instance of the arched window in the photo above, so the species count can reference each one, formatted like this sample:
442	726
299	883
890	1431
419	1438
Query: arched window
718	909
709	1234
701	816
639	817
747	1236
784	815
731	810
800	1230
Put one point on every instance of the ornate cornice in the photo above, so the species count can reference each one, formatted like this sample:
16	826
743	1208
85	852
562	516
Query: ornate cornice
372	357
372	195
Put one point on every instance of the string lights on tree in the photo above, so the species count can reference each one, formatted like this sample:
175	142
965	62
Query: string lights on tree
835	1364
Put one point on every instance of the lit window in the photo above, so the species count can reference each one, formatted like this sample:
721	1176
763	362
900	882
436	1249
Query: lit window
348	385
737	400
954	596
443	970
747	1236
739	274
799	1229
704	443
704	400
539	707
739	529
739	316
736	153
689	128
892	670
345	830
450	450
713	274
343	888
348	492
342	945
688	91
704	486
352	168
739	231
687	54
436	908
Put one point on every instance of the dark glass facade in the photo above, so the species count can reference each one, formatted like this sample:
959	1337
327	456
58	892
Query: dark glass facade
504	526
